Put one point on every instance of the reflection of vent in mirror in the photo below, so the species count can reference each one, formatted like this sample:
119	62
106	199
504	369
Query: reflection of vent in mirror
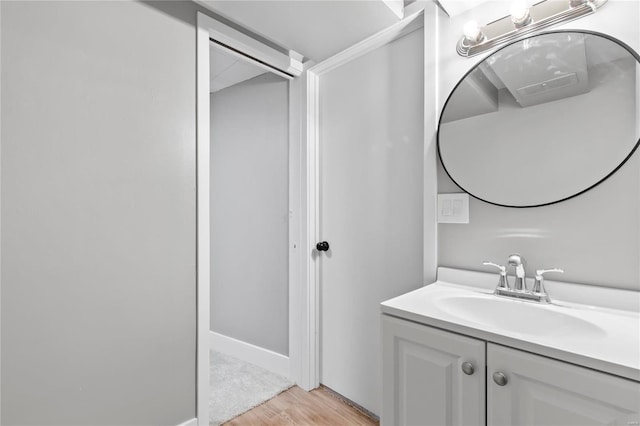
548	85
536	63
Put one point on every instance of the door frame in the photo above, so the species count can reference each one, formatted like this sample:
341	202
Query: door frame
311	311
288	66
304	333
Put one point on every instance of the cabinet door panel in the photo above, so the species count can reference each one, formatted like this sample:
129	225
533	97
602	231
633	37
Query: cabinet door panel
543	391
423	382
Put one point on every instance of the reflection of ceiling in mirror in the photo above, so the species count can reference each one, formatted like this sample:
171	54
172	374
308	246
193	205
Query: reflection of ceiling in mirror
602	50
535	71
475	95
542	69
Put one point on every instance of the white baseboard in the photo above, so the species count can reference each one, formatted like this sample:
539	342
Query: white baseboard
192	422
269	360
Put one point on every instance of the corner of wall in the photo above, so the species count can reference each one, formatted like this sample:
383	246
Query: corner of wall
430	180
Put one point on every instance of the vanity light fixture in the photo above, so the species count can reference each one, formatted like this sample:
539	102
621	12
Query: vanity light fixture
522	21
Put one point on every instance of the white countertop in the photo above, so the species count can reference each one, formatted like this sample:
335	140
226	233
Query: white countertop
611	343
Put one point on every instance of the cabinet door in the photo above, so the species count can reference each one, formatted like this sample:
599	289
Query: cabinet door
423	381
543	391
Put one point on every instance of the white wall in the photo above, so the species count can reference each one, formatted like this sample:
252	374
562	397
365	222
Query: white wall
249	212
98	213
595	237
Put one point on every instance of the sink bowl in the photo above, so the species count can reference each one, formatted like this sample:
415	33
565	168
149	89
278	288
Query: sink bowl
518	316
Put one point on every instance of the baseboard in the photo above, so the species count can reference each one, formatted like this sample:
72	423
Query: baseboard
269	360
192	422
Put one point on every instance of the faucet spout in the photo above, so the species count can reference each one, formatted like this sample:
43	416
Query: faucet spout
518	262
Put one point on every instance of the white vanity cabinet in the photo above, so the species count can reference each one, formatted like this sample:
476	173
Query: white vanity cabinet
424	384
544	391
423	380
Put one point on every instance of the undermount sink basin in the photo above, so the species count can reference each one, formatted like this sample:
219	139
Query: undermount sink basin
518	316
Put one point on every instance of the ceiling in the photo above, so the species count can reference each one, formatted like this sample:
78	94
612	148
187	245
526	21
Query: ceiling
316	29
319	29
457	7
227	69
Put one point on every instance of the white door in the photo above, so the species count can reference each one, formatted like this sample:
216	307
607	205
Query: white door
535	390
371	207
430	376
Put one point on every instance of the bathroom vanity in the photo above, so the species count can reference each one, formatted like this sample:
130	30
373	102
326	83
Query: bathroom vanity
454	353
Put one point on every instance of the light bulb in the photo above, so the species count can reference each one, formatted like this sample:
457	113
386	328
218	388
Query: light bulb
520	13
472	32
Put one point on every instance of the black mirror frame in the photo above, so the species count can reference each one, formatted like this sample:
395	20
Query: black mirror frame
490	53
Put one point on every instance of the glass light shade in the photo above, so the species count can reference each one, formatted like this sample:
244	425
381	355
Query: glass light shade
520	13
472	32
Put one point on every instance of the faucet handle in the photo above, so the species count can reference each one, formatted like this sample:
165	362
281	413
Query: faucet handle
503	282
503	269
540	272
538	287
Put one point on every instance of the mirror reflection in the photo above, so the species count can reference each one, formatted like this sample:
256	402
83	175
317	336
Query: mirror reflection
543	119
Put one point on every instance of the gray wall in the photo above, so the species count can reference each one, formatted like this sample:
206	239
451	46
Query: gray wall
249	212
98	213
594	237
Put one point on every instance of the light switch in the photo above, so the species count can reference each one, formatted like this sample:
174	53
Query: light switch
446	208
457	207
453	208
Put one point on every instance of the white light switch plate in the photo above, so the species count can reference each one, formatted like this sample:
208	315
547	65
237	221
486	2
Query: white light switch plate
453	208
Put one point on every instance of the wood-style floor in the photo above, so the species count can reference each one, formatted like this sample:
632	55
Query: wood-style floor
297	407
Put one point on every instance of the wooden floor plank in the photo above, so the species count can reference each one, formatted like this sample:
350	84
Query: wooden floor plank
298	407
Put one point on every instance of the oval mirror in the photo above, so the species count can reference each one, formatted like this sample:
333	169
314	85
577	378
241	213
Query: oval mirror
543	119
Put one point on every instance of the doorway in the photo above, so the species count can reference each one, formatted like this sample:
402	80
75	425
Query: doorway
233	185
249	235
249	204
304	196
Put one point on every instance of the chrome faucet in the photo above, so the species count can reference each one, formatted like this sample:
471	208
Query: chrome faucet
518	262
519	289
